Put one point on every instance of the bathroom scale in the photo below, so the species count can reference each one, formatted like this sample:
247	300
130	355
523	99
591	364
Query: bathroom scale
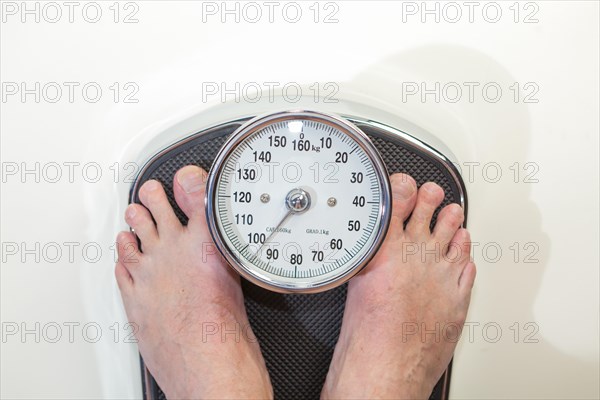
327	173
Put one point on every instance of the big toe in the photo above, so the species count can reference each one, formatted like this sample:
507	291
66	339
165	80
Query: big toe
404	197
190	187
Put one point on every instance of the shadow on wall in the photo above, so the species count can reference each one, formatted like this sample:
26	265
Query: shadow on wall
489	132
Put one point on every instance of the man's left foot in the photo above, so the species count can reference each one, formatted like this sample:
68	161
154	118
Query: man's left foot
194	334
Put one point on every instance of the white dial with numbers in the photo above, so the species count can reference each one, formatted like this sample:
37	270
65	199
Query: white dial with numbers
298	201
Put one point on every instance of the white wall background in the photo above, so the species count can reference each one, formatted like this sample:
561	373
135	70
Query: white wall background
543	296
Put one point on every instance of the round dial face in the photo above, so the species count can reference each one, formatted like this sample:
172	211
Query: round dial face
298	201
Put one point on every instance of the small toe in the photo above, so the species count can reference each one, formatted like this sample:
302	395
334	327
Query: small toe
459	248
448	222
189	187
128	257
153	196
138	217
124	279
467	279
429	197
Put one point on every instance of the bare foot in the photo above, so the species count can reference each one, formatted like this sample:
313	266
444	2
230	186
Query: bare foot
193	333
404	312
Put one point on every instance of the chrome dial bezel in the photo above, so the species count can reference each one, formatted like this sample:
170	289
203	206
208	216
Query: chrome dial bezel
243	266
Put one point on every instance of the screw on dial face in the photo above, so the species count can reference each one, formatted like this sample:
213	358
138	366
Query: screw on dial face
298	201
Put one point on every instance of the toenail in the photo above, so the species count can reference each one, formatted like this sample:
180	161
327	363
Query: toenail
122	237
456	210
190	179
431	188
403	189
151	185
130	212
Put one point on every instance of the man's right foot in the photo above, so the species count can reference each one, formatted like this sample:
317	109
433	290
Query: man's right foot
405	311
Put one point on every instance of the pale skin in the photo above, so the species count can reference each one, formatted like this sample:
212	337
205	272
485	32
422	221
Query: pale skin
175	291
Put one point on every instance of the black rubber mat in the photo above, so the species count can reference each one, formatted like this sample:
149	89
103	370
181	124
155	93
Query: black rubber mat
297	333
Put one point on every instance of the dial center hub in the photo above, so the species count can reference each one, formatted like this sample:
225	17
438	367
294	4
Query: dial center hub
297	201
